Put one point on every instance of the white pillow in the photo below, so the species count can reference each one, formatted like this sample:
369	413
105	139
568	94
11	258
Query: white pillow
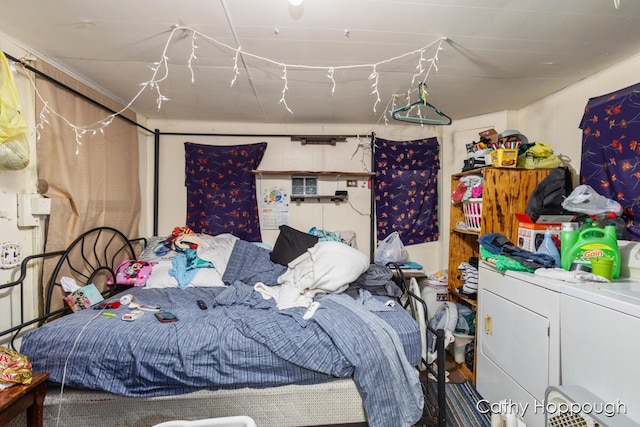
204	278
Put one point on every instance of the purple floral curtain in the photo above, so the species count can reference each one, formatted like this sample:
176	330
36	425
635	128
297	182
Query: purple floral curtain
407	189
221	189
611	152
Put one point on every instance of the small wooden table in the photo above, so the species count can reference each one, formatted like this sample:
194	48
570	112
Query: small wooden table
14	400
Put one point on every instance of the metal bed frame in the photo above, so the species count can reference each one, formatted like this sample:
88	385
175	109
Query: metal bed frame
94	256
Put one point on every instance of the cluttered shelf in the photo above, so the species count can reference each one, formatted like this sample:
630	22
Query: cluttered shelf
465	231
458	296
486	195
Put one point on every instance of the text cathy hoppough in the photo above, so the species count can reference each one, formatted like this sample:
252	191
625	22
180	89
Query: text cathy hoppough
508	406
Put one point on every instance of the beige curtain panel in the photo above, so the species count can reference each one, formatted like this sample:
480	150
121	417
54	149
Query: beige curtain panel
92	184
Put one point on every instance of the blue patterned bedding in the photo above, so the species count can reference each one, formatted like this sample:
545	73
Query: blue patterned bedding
241	340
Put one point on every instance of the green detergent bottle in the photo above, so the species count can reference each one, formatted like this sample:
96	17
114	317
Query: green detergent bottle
592	242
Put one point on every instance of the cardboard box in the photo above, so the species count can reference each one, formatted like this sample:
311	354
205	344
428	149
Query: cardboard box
489	134
531	234
504	157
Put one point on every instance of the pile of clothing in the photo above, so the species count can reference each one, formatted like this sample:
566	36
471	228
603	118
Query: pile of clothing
469	187
505	255
469	274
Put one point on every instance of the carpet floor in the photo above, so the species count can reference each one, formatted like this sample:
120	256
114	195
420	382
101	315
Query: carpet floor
463	407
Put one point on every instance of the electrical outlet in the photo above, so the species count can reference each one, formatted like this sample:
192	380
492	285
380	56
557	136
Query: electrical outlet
352	183
10	254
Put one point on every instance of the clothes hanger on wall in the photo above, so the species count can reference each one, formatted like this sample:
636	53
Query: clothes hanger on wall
442	118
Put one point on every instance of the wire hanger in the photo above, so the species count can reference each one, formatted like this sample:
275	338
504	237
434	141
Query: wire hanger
422	102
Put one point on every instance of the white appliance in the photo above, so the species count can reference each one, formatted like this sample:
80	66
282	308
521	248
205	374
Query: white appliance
518	341
629	259
536	334
575	406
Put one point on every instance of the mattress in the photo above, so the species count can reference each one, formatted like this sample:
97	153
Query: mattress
293	405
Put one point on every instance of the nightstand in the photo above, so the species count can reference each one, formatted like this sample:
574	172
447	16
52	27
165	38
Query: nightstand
14	400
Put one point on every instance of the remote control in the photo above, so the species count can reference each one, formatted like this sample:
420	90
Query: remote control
202	304
149	307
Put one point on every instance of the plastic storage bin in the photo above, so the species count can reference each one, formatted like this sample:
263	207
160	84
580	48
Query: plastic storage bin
433	296
459	345
237	421
472	210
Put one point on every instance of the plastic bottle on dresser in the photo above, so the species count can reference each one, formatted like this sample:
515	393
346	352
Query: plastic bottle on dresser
610	218
548	247
568	238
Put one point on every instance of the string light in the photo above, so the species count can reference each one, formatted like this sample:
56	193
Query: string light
160	72
375	77
192	56
285	89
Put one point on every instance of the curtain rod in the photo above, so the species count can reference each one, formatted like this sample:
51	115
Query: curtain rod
75	92
257	135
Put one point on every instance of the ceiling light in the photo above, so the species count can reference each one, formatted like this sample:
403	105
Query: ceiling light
295	2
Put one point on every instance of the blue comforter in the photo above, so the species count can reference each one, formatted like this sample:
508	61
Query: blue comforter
241	340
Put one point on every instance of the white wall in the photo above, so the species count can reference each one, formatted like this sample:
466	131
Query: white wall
283	154
555	119
13	183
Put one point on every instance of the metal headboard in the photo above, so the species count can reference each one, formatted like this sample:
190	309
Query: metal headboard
92	256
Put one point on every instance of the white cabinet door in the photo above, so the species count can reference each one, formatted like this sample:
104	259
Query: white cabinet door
517	340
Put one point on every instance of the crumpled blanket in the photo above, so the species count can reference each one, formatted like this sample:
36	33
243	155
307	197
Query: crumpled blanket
378	280
250	264
327	267
360	343
378	346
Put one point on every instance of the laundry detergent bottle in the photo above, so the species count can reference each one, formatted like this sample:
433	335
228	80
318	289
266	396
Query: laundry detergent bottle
594	242
568	238
548	247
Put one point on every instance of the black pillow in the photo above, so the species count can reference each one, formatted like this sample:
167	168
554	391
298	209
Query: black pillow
290	244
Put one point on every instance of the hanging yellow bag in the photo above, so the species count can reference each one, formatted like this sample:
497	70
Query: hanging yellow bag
14	147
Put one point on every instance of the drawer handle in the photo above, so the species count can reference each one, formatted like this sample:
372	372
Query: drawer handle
488	325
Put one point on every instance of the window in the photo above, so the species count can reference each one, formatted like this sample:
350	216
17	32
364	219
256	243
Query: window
304	185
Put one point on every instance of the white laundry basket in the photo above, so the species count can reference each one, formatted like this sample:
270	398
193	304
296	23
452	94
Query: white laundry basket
238	421
472	210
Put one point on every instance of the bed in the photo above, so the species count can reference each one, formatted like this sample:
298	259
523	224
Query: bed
251	352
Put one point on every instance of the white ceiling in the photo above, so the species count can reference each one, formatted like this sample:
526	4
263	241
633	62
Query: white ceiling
498	54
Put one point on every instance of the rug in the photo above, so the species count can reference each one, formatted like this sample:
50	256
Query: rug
463	405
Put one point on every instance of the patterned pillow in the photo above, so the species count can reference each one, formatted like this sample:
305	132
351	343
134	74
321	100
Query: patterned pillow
133	272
